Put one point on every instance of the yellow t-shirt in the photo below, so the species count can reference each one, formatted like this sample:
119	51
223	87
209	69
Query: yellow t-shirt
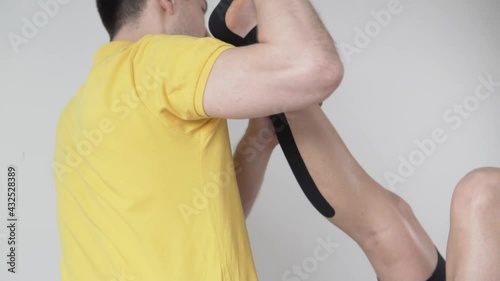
145	180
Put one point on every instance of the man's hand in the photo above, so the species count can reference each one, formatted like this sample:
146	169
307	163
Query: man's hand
241	17
263	128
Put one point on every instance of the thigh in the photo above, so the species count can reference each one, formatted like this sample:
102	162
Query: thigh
358	200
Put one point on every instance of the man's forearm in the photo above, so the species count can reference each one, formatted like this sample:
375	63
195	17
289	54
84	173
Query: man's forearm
251	159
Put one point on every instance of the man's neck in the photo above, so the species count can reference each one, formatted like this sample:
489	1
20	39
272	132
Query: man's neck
134	33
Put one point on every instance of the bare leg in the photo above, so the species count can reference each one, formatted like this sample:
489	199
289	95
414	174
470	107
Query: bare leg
474	242
378	220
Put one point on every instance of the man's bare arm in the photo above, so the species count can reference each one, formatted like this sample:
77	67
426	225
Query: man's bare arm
251	159
294	65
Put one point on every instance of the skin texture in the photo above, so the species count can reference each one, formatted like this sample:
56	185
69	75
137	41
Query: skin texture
474	239
380	222
241	17
250	168
185	17
384	225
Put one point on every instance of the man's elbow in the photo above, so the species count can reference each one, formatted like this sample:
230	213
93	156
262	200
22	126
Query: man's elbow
317	77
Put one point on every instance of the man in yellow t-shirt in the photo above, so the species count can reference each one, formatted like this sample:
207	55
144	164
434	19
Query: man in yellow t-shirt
147	186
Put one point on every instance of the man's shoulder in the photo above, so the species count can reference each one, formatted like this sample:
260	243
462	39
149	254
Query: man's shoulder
178	41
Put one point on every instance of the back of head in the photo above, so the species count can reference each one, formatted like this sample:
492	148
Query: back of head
115	13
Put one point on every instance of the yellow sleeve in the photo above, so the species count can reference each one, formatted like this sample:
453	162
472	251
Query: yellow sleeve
174	70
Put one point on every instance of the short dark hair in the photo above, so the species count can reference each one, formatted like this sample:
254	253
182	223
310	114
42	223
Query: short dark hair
115	13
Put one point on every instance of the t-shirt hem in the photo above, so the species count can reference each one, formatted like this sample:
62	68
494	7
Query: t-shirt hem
202	81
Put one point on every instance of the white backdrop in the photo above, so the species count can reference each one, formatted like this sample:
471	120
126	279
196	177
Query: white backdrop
412	70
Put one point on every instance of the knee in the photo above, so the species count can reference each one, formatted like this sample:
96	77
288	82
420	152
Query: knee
395	211
401	206
478	191
385	222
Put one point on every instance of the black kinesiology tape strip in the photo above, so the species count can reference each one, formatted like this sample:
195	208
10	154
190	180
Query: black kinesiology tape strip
299	168
219	29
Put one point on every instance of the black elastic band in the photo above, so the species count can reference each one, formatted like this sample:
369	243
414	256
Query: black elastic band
219	29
